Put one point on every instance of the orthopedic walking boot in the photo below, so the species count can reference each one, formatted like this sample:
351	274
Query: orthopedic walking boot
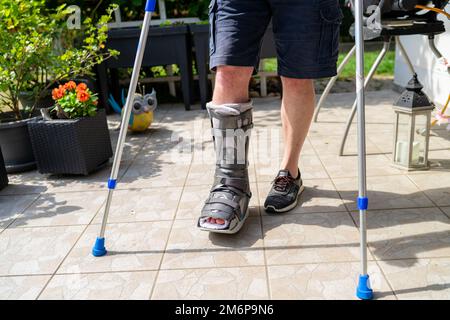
227	206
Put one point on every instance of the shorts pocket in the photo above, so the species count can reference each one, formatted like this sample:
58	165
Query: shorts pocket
331	18
212	26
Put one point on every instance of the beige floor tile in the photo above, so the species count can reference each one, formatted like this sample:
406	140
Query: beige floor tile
347	166
59	209
330	144
446	210
154	174
190	247
26	251
139	205
408	233
100	286
131	247
319	196
193	200
26	183
208	284
310	238
384	192
95	181
383	141
12	206
331	281
33	182
22	287
439	161
427	279
435	186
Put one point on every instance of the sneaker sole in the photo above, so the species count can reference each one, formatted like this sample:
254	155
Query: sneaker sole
272	209
235	230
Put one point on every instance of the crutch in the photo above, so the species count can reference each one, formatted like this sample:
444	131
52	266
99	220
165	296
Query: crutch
363	290
99	248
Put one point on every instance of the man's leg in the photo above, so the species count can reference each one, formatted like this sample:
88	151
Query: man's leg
307	38
236	30
231	86
297	109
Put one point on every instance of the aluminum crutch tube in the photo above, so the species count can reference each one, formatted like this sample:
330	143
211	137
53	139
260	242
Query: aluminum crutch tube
99	248
363	290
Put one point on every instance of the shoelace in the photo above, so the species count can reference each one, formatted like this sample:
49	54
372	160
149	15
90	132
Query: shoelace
281	183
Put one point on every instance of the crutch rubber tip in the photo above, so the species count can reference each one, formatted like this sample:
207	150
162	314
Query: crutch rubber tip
99	248
364	292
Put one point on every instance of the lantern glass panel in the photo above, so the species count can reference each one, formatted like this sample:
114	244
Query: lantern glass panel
419	140
403	138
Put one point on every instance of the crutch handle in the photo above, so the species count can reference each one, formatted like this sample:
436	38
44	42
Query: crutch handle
150	6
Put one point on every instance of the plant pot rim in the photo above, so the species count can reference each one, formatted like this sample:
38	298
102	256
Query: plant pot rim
18	123
42	120
132	32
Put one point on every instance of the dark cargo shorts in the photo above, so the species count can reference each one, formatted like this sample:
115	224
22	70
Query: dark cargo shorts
306	34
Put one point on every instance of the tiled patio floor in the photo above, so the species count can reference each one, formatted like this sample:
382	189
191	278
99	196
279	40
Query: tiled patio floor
48	224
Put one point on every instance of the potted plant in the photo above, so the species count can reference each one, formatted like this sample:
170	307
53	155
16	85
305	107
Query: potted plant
37	53
3	175
73	136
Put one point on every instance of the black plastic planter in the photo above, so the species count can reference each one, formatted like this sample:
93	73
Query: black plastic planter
16	146
200	35
75	147
3	175
166	45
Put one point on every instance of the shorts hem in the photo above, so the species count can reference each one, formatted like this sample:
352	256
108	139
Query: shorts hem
216	61
327	71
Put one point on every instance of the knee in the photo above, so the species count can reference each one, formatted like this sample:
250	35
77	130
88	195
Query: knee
298	85
231	75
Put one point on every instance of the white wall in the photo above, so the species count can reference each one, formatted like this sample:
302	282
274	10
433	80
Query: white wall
436	81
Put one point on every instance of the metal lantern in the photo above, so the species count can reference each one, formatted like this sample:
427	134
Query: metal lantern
412	127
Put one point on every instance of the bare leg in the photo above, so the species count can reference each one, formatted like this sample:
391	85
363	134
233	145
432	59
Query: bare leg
231	87
232	84
297	109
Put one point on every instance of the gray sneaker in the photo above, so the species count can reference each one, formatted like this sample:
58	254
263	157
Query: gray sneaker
284	194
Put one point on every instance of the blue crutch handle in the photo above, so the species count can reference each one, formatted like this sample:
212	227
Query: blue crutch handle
150	6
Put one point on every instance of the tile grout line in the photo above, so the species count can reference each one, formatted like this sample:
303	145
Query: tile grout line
225	267
266	269
356	225
334	185
68	253
81	234
171	228
21	213
426	196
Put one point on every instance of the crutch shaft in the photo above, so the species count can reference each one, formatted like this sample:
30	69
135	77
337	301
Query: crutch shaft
99	247
363	290
370	75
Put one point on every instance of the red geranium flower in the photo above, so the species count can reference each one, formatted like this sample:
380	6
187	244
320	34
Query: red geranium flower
57	93
82	87
70	85
83	96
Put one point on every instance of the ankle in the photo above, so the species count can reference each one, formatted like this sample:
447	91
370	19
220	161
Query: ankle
294	171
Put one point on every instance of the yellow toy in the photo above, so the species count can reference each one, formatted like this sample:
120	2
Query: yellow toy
142	112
